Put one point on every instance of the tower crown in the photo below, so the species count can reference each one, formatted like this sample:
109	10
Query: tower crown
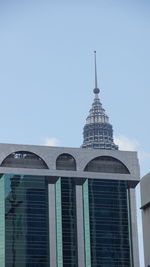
98	132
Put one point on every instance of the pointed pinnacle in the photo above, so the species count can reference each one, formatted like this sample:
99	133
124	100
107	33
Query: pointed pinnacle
95	69
96	89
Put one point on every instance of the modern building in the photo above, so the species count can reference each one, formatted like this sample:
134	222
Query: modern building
69	207
145	207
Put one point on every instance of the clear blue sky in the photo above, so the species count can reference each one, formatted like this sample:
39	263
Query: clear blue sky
46	69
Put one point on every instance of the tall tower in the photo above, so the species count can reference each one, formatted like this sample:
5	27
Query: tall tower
98	132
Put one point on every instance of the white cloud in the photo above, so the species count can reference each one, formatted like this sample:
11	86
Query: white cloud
51	141
144	155
126	143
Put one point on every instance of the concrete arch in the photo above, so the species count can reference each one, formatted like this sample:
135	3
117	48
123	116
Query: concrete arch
106	164
24	159
66	161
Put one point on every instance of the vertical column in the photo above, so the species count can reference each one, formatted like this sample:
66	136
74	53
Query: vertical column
80	226
83	223
52	224
59	224
86	224
133	223
55	222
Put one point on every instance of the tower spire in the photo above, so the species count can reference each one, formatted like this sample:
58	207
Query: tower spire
98	132
95	69
96	89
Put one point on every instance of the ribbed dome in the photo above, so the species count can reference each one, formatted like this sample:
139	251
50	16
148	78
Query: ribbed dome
97	113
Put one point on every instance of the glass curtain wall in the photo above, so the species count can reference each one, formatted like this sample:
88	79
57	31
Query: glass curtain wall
69	222
109	223
26	221
24	229
106	208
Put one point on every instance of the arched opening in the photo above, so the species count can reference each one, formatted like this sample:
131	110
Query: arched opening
106	164
66	162
24	159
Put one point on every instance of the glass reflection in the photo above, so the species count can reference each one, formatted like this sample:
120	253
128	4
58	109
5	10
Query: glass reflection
26	221
109	223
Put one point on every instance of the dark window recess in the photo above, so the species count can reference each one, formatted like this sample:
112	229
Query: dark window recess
106	164
66	162
24	159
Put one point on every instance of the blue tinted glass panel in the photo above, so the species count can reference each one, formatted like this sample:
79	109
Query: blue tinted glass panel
26	221
109	223
69	222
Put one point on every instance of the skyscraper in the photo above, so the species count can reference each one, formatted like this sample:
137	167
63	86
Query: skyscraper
69	207
98	132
